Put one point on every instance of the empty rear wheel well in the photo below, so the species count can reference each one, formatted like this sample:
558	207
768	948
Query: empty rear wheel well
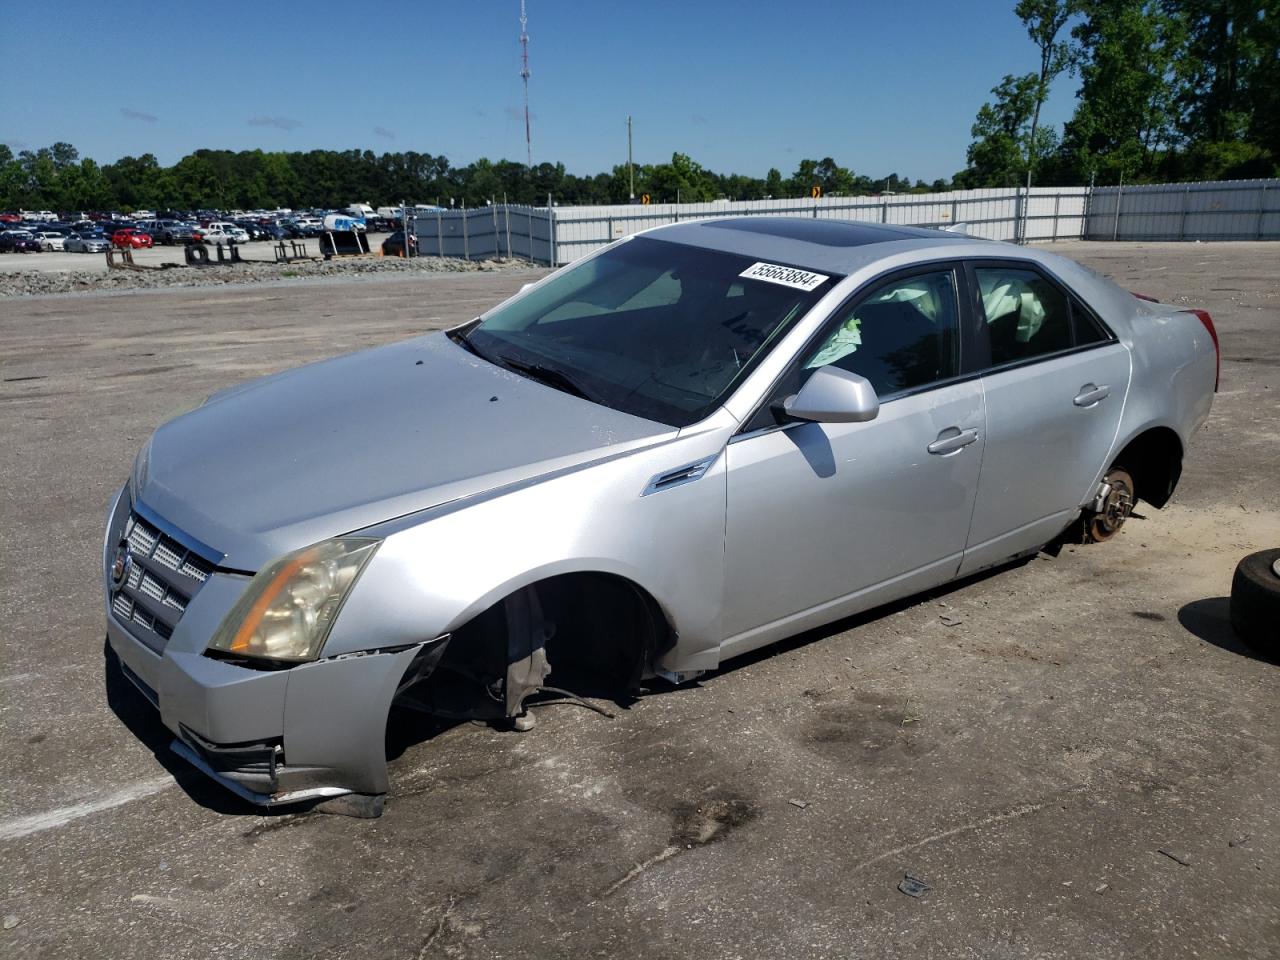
1154	460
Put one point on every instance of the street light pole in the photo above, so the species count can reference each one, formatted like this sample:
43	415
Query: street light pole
631	172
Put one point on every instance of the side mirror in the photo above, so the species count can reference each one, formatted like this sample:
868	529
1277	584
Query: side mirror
832	395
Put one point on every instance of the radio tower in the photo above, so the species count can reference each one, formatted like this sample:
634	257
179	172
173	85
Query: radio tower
524	74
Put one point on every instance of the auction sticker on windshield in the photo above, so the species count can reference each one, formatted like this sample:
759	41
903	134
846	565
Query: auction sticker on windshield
787	276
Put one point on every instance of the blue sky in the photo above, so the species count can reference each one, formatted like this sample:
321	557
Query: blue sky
740	86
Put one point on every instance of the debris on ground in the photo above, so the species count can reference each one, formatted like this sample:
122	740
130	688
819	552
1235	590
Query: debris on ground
913	886
1239	841
1102	888
28	283
1177	856
11	921
951	619
799	803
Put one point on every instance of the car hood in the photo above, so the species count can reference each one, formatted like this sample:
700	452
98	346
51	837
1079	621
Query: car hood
326	449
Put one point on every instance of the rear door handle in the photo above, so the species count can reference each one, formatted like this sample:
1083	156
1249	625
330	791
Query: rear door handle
952	440
1090	394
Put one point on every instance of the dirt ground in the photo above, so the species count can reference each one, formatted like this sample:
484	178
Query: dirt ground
1085	765
58	261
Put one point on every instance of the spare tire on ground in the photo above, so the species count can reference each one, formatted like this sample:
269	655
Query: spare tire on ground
1255	601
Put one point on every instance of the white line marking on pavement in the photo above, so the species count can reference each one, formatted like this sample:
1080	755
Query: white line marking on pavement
24	826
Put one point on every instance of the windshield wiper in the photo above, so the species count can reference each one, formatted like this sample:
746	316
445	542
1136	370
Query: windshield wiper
550	376
461	339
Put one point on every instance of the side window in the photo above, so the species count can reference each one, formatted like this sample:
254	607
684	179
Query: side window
900	336
1026	315
1088	329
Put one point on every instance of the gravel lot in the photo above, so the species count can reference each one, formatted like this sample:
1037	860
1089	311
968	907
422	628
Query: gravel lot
36	274
1031	762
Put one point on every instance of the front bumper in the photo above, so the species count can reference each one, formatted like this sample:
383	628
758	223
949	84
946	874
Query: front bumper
273	737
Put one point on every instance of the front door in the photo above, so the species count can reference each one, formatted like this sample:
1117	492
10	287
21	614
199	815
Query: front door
828	518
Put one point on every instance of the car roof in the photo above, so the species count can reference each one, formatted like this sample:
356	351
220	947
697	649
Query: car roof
838	246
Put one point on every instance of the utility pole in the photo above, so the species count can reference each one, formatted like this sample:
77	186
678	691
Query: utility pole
524	74
631	170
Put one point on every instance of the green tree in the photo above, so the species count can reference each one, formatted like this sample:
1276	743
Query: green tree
1000	132
1126	110
1229	58
1044	20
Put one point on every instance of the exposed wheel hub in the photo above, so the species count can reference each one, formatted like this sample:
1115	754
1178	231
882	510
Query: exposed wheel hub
1114	507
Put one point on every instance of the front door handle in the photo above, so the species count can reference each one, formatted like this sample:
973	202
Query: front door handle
952	440
1090	394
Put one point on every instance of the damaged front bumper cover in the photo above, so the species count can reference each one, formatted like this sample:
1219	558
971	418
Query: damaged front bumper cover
251	772
316	731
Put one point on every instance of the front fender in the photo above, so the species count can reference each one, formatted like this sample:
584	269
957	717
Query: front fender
433	574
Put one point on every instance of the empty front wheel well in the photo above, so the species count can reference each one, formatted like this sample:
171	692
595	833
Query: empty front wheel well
606	630
595	632
1154	460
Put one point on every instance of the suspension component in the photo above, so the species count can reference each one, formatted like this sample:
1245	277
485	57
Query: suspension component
1111	507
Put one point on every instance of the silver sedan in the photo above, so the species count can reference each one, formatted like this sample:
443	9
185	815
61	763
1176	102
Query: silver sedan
86	243
700	440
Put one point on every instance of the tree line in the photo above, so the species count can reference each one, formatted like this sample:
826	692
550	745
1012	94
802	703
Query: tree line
58	178
1168	90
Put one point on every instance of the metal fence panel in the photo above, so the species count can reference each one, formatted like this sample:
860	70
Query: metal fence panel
1196	211
995	214
1223	210
501	230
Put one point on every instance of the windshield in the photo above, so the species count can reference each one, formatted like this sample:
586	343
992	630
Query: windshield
656	329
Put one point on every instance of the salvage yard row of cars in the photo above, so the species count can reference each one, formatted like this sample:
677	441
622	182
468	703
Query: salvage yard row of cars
35	233
698	441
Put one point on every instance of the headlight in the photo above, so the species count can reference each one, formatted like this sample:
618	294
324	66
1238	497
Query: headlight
141	464
290	606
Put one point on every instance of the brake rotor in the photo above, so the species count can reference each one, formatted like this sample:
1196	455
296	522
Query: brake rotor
1116	506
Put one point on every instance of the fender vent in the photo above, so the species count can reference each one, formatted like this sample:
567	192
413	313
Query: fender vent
679	476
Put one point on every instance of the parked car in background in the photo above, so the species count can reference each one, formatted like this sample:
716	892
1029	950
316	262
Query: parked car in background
86	242
19	241
50	240
309	226
253	229
393	246
170	232
274	231
132	237
220	232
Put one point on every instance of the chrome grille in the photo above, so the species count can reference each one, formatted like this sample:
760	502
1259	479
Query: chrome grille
163	577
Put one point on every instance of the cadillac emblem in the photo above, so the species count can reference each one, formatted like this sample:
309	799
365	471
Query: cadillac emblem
121	565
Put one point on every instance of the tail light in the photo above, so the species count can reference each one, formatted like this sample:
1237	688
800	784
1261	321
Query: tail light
1207	320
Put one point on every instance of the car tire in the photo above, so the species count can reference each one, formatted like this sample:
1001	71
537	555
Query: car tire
1255	601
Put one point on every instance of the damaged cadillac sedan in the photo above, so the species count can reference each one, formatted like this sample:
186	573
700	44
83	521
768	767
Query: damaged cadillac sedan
695	442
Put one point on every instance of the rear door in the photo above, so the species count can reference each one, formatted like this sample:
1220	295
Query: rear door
1055	380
